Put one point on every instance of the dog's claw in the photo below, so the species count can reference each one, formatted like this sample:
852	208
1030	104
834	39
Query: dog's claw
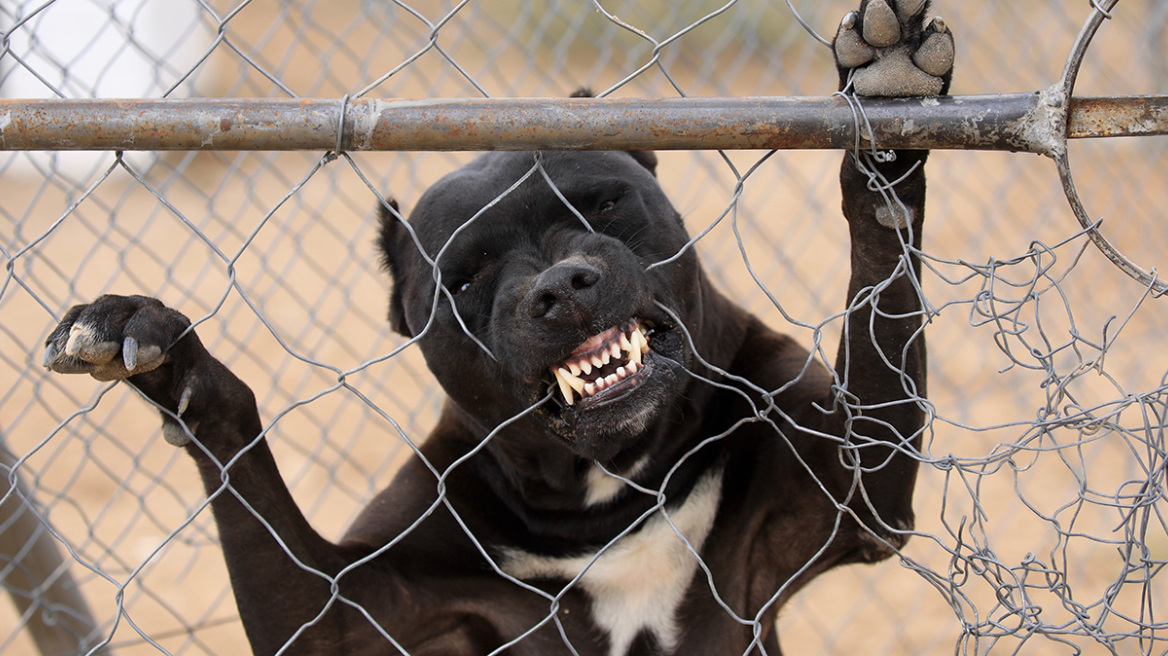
83	344
185	401
849	21
175	432
73	344
130	353
49	357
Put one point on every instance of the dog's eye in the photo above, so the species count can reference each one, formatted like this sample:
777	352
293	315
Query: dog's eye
457	287
606	206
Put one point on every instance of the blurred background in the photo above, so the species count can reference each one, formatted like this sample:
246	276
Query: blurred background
1041	506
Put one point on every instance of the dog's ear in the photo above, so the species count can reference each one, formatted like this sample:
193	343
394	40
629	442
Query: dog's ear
645	158
391	219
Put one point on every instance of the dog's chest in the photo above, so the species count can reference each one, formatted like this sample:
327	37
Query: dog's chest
637	582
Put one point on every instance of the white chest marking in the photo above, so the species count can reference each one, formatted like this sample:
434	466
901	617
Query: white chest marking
603	488
638	582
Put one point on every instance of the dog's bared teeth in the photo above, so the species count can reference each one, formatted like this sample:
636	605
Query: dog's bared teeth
573	374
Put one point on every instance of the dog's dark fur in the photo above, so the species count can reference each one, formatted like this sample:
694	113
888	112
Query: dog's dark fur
775	499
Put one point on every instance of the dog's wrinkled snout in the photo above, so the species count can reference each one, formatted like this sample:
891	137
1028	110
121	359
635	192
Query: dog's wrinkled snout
565	293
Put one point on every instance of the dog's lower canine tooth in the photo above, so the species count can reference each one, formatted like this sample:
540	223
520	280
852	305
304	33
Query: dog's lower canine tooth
639	344
565	388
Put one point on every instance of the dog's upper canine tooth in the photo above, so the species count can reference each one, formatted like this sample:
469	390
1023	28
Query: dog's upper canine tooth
638	345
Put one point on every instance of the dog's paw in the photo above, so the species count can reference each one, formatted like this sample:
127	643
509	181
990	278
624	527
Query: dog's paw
887	49
114	337
120	337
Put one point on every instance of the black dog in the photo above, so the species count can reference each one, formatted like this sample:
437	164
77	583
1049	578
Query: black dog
604	400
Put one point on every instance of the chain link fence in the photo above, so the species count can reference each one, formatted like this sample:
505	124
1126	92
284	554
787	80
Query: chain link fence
1041	507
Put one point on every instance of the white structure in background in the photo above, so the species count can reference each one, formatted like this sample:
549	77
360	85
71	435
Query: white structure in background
96	49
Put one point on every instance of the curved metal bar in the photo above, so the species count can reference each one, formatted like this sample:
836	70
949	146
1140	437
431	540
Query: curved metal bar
1059	95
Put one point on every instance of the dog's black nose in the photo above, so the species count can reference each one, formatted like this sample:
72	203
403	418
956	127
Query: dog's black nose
565	293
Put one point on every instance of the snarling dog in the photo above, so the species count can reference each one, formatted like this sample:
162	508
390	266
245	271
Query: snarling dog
604	402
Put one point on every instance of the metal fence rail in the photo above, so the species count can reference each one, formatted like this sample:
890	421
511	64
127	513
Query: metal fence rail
1041	507
1001	122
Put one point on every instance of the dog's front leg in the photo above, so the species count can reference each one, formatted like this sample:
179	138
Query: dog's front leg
213	413
886	48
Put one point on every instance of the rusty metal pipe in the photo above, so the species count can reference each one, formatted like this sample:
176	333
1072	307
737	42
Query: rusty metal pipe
1012	122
